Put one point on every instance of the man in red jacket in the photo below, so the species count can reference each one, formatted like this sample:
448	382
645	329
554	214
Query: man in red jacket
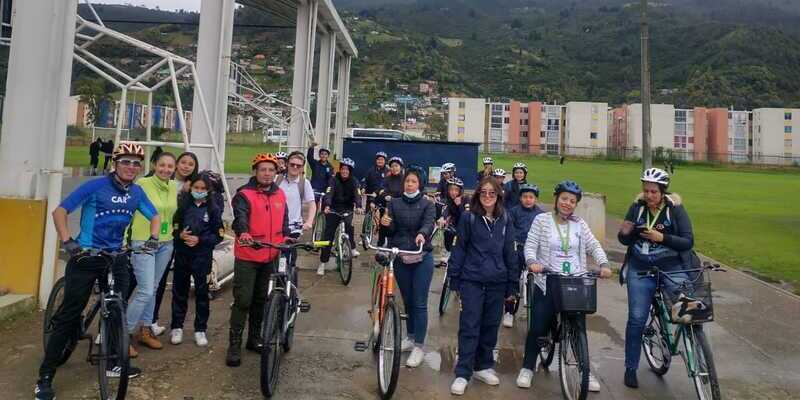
260	213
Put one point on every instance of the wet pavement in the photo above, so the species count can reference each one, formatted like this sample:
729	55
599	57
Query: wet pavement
754	341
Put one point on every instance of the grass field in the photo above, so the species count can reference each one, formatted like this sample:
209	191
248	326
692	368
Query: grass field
742	217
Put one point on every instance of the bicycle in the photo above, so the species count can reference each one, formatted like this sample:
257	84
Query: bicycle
385	315
342	249
319	220
370	226
280	311
444	297
659	337
111	358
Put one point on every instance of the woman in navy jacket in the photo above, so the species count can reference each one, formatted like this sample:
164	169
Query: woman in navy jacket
483	269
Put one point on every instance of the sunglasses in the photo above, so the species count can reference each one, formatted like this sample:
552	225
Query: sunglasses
296	165
488	193
130	163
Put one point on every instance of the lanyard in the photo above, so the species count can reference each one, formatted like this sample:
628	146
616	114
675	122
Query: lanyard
649	224
564	237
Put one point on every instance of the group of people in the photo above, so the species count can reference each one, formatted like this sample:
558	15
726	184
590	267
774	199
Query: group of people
95	148
490	240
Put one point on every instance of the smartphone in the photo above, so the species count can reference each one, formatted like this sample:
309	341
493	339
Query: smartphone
639	229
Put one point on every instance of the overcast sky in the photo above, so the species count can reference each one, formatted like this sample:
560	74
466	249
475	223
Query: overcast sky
163	4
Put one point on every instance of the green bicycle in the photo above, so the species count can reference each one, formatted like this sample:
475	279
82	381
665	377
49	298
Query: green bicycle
342	249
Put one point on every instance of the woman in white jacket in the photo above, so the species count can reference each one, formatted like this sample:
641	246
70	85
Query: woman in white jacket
558	241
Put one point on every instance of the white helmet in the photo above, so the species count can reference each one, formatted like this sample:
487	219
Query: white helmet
488	160
521	166
448	167
500	173
656	175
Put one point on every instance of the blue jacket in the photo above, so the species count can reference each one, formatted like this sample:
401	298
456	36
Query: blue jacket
321	174
511	194
485	254
204	221
523	219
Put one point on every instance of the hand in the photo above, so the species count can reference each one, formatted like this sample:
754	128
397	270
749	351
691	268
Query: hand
627	227
388	198
327	210
419	240
372	206
245	238
71	247
289	240
185	233
151	245
191	241
440	223
536	268
511	298
605	272
457	201
360	211
653	235
307	226
386	220
455	284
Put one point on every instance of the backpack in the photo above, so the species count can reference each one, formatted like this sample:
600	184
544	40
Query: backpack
301	184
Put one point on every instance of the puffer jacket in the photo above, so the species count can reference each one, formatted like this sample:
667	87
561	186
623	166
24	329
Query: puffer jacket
410	217
342	194
392	186
673	223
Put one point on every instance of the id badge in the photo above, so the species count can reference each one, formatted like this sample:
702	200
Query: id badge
646	248
164	228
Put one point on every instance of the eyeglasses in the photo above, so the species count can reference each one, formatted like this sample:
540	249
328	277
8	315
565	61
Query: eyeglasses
296	165
488	193
130	163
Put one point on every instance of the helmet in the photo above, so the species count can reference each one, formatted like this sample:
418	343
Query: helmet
521	166
263	157
656	175
325	149
528	187
348	162
448	167
381	154
500	172
281	155
569	187
128	149
488	160
396	160
456	181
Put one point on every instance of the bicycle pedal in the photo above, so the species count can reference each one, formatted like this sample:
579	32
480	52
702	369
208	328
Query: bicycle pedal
305	306
360	346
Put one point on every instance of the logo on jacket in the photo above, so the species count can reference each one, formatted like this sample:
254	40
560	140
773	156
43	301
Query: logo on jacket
120	199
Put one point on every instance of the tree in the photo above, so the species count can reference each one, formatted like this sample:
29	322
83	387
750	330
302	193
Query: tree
437	128
92	92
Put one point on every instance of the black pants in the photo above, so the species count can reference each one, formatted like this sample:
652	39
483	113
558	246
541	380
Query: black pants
80	275
188	266
331	224
106	161
449	240
543	315
481	312
94	160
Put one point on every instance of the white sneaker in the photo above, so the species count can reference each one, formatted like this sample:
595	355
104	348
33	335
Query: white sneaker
321	269
355	253
157	329
176	336
416	357
201	339
524	378
487	376
508	320
459	386
594	385
406	345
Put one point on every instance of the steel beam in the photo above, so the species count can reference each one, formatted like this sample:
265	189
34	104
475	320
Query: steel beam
342	102
305	41
327	58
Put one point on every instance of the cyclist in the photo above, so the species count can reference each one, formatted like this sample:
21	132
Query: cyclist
409	223
558	241
500	175
456	203
448	172
107	207
282	158
483	270
321	170
392	188
522	216
298	192
488	168
658	232
519	176
342	196
373	181
259	208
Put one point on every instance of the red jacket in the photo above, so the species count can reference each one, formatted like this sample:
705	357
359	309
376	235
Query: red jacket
262	213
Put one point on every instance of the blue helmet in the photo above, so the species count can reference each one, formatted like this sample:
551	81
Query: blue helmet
529	187
569	187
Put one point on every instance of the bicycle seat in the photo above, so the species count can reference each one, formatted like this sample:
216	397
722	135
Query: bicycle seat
382	258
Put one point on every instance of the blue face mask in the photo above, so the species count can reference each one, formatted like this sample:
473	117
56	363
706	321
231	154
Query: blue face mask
199	195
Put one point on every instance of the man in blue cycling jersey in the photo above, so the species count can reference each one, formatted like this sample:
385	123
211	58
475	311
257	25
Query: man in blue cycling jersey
107	207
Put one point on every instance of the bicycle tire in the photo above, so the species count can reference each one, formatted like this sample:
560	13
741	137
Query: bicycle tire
319	227
529	288
548	351
288	338
376	304
444	298
389	370
271	329
654	344
574	343
113	353
345	259
706	386
366	229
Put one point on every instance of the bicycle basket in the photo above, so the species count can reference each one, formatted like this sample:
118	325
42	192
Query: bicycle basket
691	303
573	293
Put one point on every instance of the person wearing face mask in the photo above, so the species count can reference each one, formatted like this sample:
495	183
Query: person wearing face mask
392	189
198	223
342	197
409	223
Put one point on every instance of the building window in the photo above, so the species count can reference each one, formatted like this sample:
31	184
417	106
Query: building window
787	129
542	134
462	104
593	135
525	134
524	110
460	131
787	143
461	117
787	116
497	107
507	107
506	120
691	139
497	120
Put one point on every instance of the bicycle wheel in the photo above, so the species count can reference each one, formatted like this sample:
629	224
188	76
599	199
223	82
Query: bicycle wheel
573	361
444	299
389	352
366	229
345	260
113	362
547	347
271	331
375	334
288	338
319	227
529	287
655	346
54	304
705	372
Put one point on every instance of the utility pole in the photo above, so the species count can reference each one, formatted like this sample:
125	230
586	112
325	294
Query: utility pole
647	156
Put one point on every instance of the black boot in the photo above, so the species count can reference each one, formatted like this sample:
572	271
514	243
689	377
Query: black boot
254	341
44	388
234	357
630	378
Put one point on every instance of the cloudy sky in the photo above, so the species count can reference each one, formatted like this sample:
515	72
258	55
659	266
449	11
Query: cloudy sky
163	4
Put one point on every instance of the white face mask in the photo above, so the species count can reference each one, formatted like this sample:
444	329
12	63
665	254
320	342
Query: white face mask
411	195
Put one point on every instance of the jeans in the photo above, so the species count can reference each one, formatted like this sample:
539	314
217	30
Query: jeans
188	266
414	281
162	287
331	225
148	269
640	297
481	312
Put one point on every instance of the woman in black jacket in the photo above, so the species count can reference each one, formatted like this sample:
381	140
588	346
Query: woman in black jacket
342	196
658	232
408	222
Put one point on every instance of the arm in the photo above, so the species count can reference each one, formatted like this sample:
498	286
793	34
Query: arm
630	238
312	162
60	221
510	258
148	210
389	230
459	252
212	237
286	231
684	240
428	216
327	200
593	247
241	214
532	242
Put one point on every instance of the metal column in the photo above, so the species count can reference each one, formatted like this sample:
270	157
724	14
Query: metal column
305	41
327	59
35	114
213	66
342	101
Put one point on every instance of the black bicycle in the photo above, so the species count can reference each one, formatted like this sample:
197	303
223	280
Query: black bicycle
444	297
280	310
547	344
109	352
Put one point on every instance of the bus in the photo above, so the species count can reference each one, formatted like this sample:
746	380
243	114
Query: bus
373	133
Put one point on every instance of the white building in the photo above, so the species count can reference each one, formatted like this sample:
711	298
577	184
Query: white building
683	139
662	126
776	136
586	128
498	122
466	120
551	128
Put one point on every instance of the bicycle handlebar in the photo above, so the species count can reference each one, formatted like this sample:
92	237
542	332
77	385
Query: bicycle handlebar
655	271
393	250
288	246
587	274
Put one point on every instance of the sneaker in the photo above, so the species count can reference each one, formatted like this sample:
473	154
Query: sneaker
201	339
133	372
487	376
355	253
416	357
459	386
157	329
176	336
44	389
524	378
406	345
508	320
594	385
321	269
630	378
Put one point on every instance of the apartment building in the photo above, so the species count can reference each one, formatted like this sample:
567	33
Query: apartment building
466	120
586	128
776	136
